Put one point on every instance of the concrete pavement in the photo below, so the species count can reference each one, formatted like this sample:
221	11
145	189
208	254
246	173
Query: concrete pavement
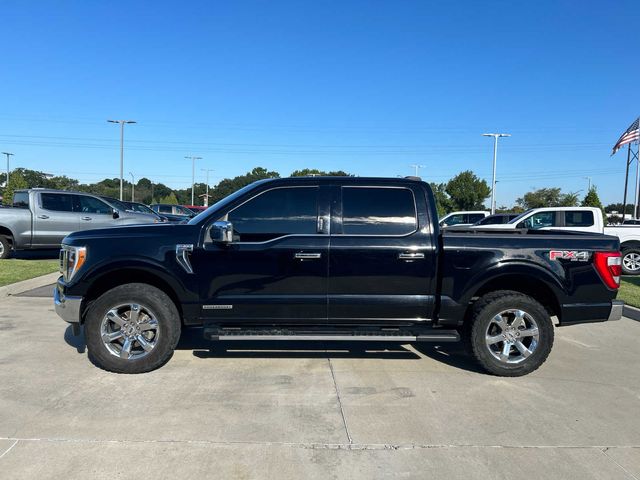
287	410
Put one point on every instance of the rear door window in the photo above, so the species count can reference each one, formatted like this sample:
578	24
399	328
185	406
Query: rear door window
21	200
378	211
578	218
57	202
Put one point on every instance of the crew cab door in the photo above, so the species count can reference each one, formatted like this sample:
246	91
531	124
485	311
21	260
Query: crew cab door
275	270
382	264
53	219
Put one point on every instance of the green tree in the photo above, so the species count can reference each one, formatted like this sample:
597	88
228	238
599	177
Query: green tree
443	202
547	197
16	182
230	185
467	191
170	199
591	199
307	172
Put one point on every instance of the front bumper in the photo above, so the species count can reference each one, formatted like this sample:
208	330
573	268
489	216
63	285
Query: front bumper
67	307
616	310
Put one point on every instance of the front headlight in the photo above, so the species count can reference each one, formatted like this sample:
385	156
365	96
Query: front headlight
71	260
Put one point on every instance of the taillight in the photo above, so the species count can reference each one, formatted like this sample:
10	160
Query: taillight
609	267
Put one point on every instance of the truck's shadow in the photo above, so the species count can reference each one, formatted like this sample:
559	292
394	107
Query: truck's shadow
452	354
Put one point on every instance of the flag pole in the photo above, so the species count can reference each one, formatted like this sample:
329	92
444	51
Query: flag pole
626	180
635	205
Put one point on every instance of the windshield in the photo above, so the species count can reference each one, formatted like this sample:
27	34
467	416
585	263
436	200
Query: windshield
221	203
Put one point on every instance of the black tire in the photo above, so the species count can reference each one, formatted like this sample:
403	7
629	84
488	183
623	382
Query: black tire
5	247
626	268
482	320
149	299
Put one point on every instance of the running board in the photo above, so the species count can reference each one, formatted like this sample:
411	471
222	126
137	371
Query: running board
279	335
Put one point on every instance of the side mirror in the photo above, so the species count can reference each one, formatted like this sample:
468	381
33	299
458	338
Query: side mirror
520	225
115	214
221	232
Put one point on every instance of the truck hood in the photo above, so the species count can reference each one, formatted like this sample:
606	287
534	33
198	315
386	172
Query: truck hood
124	232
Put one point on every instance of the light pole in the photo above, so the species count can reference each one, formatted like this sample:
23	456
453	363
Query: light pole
122	124
193	175
206	196
589	180
495	158
6	184
416	167
133	186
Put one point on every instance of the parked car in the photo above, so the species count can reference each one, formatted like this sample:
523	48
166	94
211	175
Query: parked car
496	219
584	219
462	218
332	258
40	218
122	205
178	212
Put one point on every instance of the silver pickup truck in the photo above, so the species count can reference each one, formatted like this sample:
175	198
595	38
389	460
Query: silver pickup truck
41	218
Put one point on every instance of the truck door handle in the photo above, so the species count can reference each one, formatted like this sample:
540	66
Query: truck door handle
43	217
411	256
86	218
307	256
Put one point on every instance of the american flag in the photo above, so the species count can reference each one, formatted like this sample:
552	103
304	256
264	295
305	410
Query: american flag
631	135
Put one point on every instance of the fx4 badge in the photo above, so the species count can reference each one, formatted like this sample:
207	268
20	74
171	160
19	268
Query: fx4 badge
572	255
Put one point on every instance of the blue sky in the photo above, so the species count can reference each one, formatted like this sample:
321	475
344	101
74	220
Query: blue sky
369	87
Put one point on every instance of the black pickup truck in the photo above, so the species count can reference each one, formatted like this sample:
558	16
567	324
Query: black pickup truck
332	258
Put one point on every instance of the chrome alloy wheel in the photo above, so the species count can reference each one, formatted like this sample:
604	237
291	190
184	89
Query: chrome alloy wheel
1	249
512	336
129	331
631	261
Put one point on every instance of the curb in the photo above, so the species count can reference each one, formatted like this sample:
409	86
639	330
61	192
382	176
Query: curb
631	312
30	284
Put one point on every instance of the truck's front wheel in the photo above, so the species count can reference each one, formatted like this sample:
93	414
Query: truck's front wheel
511	334
133	328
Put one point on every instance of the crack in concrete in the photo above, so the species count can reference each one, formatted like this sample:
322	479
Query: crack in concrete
326	446
344	420
604	452
9	449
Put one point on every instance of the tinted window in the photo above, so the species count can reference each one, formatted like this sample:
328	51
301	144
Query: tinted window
378	211
539	220
578	218
21	200
275	213
58	202
182	210
164	209
93	205
454	220
474	217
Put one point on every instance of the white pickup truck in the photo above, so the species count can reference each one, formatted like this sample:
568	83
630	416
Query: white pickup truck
584	219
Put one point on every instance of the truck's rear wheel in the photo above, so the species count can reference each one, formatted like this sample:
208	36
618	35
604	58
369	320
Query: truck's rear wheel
5	247
631	261
511	334
133	328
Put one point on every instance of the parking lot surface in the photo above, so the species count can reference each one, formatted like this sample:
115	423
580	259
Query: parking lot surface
293	410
